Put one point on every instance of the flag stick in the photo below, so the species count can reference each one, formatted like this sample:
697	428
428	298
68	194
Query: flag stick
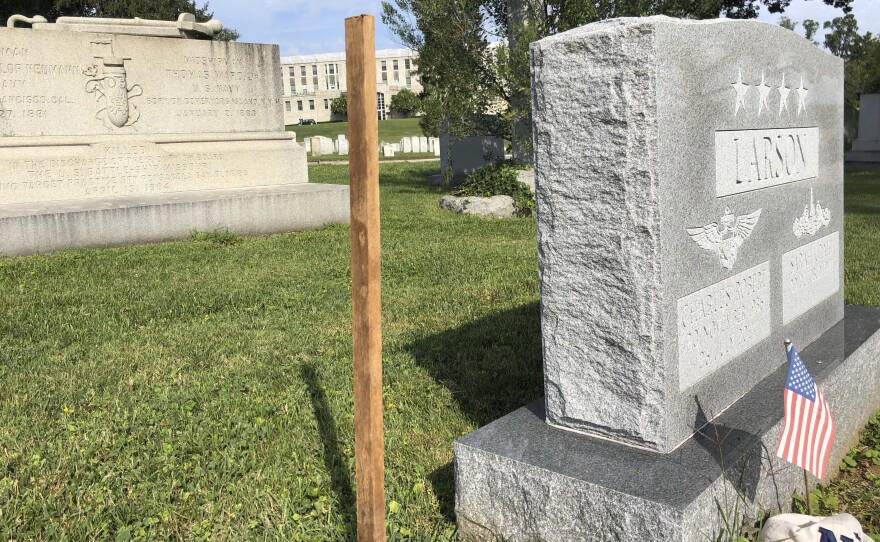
363	133
807	494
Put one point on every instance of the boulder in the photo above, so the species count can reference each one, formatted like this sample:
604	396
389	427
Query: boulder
494	207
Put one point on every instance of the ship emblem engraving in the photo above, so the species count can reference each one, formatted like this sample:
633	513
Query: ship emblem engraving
813	219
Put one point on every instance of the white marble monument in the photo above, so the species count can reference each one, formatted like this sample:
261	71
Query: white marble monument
125	131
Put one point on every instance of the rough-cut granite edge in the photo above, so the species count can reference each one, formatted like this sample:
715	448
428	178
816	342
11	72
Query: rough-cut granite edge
518	479
598	210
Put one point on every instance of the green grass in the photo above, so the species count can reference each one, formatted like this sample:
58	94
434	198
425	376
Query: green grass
202	389
396	158
862	252
390	131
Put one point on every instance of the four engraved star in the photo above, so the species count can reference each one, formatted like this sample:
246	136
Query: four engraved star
763	91
802	94
741	89
783	96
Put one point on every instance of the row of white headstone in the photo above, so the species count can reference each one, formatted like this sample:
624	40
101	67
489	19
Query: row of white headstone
321	145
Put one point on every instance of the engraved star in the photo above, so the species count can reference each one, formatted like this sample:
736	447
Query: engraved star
741	90
783	96
763	91
802	94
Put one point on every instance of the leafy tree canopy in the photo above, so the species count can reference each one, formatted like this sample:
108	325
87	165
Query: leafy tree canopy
485	88
406	101
165	10
339	105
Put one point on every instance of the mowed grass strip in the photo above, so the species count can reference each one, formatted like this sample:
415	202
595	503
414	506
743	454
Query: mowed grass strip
390	130
202	389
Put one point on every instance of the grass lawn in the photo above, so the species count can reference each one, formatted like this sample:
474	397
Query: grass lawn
390	131
396	158
202	389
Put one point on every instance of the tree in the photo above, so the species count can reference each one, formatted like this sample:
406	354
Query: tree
469	77
339	105
165	10
406	101
861	54
810	29
843	35
787	23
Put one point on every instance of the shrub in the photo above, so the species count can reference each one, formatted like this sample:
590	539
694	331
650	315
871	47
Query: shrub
499	179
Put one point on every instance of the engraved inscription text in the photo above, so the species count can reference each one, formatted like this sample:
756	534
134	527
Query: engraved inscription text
810	274
722	321
753	159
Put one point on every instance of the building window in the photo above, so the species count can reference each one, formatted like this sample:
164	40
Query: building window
326	103
408	79
291	78
332	76
303	80
311	105
395	65
406	64
287	105
380	105
385	72
299	105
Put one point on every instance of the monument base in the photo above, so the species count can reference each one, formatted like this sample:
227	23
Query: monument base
46	227
863	152
520	479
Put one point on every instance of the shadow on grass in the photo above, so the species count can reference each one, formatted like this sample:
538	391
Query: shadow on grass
334	461
492	366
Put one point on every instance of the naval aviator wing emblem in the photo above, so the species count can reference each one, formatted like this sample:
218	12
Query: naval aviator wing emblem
724	241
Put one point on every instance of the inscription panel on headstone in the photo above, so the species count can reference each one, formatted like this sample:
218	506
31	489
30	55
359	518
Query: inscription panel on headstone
753	159
65	83
123	169
722	321
810	274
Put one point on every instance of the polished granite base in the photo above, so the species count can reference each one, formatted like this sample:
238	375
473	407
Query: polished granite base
519	479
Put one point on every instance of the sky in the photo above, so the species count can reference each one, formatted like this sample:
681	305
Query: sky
302	27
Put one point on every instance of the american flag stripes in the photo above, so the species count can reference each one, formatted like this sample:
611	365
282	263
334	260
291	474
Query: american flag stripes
809	429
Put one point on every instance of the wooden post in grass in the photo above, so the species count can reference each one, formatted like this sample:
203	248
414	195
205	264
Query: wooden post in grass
363	160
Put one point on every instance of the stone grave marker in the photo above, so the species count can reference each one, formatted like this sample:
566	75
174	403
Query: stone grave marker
406	144
690	218
866	148
121	131
461	156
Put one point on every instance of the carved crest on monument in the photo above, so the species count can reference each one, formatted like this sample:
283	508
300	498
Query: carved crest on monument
813	218
109	83
725	240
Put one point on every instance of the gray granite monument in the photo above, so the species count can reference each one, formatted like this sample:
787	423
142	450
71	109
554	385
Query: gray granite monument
116	131
690	218
866	148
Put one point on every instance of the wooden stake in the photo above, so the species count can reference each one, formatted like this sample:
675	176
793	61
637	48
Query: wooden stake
363	160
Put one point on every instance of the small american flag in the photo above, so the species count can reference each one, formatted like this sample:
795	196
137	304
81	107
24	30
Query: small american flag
809	429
